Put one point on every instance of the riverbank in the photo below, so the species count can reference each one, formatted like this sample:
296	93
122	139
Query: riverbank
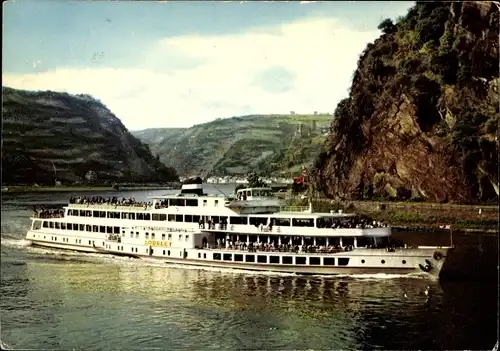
32	189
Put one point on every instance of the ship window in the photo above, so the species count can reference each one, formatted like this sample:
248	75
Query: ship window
116	230
204	203
38	224
90	243
131	234
274	259
162	236
180	237
88	213
284	222
95	229
303	222
82	213
362	261
156	217
228	257
314	260
343	261
192	202
262	259
96	214
57	225
51	224
199	255
404	262
238	258
45	224
140	216
147	216
131	215
169	236
258	220
147	235
168	252
216	203
196	219
102	214
63	225
137	235
204	255
238	220
152	235
163	252
186	238
178	218
188	218
217	256
300	260
102	229
88	228
287	259
383	261
75	226
163	217
329	261
109	230
171	218
249	258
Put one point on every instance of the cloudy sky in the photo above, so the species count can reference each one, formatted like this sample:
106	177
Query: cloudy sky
175	64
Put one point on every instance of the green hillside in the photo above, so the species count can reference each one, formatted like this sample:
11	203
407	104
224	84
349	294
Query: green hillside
266	144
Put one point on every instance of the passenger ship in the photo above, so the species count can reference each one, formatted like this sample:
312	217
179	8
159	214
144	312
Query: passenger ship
250	231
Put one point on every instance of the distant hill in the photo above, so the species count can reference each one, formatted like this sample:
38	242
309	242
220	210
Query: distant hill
266	144
422	117
49	136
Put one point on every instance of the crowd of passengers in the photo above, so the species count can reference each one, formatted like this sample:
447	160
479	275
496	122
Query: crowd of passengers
99	200
210	224
49	213
354	222
161	204
272	247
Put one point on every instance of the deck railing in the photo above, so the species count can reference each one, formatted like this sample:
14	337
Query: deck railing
112	206
294	208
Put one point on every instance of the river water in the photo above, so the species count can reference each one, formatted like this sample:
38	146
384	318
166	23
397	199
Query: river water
60	300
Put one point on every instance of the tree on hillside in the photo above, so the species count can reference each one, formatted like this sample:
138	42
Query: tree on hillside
387	26
254	181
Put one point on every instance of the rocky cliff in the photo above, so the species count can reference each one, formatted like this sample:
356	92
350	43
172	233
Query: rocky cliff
421	120
49	136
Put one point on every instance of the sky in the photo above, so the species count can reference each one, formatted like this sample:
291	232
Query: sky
180	63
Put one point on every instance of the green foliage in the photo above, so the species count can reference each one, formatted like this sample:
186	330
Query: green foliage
387	26
254	181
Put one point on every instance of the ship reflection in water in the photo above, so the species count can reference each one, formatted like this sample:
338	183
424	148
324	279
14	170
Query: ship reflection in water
63	301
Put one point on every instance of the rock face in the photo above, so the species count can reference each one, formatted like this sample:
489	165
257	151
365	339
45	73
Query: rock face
421	120
49	136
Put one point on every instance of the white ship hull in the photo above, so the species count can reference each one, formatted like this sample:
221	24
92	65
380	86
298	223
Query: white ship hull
358	261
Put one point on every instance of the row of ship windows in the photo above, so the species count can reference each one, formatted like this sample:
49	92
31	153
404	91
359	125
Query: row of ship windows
77	227
296	222
327	261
